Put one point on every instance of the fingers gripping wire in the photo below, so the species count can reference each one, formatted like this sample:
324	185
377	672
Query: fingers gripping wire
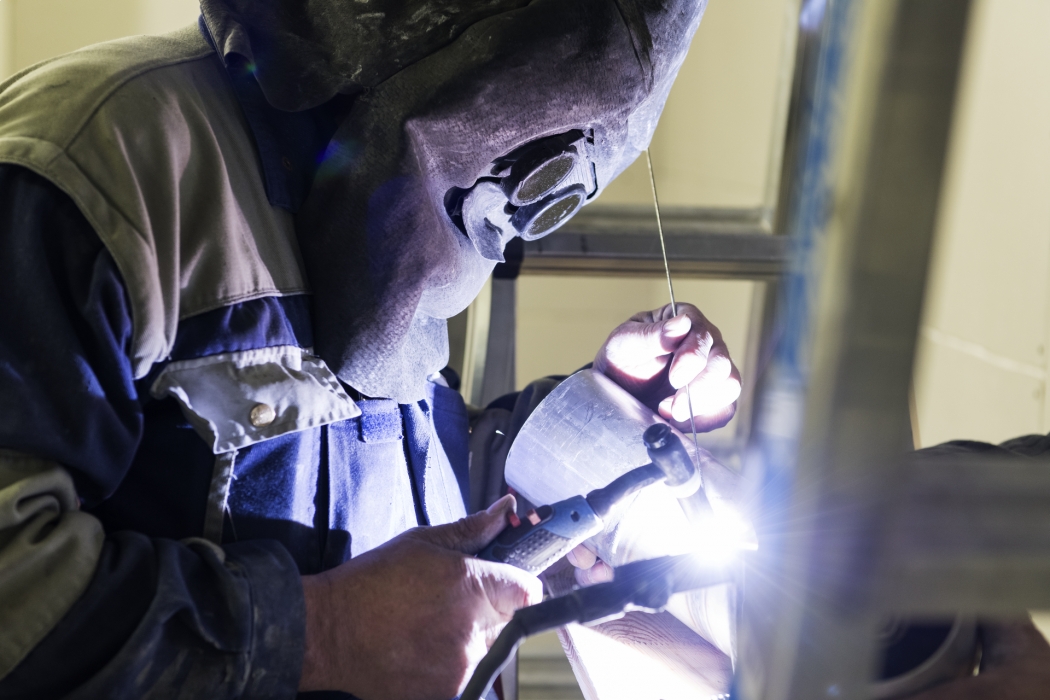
674	304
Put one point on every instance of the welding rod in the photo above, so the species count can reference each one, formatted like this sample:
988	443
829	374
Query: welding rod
670	291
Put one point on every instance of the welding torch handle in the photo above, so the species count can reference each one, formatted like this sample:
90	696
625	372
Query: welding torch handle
546	535
552	531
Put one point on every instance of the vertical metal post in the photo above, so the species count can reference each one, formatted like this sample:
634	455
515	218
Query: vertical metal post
832	417
479	316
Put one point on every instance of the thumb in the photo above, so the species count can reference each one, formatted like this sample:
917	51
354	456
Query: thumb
470	534
506	587
657	338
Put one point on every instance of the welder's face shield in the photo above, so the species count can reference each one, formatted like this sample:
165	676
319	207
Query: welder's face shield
530	192
506	131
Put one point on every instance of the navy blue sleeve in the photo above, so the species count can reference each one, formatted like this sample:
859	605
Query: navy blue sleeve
158	615
66	390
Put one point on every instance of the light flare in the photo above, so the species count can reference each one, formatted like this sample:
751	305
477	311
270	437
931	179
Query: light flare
715	542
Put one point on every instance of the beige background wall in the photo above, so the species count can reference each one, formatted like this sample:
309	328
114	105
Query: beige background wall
715	139
7	49
983	359
32	30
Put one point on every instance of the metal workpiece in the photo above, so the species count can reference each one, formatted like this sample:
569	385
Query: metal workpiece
831	414
587	434
583	436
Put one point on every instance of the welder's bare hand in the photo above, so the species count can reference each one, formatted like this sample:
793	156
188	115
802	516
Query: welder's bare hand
1015	664
410	619
589	568
658	357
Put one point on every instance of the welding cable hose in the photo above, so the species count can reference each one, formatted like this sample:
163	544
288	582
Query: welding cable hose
643	585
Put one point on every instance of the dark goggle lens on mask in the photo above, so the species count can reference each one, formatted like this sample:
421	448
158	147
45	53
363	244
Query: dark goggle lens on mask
535	177
533	190
536	220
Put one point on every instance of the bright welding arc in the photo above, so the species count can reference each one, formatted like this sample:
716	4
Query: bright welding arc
674	305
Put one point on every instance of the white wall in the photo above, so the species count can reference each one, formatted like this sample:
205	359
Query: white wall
982	361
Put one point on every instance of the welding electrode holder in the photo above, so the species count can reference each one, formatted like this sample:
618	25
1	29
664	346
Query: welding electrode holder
682	475
643	585
552	531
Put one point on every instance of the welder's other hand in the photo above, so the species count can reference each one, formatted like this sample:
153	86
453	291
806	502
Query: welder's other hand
410	619
1015	664
657	357
589	568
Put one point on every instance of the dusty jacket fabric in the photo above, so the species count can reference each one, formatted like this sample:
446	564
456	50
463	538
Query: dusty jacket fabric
148	143
157	436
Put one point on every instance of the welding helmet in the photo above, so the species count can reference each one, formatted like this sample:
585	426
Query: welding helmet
474	121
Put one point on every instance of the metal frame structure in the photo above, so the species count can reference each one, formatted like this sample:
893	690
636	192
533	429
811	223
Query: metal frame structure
731	243
852	531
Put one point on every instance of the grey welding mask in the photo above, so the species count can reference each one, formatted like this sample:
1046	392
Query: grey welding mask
473	122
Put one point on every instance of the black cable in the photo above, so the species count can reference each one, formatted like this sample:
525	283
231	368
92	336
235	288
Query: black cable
644	585
603	500
495	661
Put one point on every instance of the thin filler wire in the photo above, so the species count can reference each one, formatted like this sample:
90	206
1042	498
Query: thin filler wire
674	304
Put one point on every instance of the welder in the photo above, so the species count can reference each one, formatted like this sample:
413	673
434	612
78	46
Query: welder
230	465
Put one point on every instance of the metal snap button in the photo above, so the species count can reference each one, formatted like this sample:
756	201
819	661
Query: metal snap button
262	415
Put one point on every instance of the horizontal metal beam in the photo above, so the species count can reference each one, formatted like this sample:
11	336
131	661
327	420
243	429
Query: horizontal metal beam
733	243
972	534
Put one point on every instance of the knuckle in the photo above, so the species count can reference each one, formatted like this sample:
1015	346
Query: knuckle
719	365
705	342
644	317
471	526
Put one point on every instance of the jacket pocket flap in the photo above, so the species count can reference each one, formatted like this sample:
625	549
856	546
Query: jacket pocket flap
237	399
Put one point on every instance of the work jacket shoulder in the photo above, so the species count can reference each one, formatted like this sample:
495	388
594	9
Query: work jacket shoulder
146	135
